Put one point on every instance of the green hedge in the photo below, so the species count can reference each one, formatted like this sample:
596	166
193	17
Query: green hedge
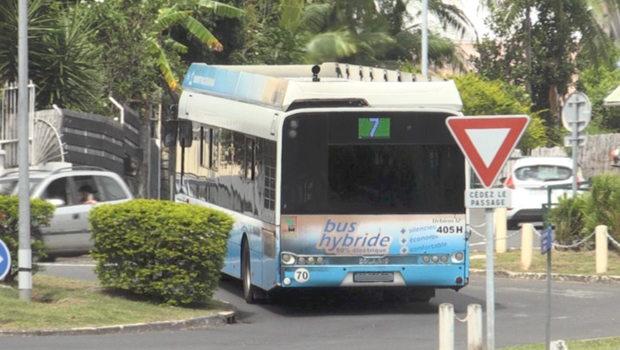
604	207
576	218
569	218
41	214
169	252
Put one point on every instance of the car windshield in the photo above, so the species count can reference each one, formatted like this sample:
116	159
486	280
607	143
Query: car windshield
543	173
8	187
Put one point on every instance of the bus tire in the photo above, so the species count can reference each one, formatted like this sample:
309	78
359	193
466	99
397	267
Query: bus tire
249	290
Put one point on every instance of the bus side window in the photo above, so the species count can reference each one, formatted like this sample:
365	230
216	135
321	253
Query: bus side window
238	153
208	148
215	148
226	148
269	157
250	159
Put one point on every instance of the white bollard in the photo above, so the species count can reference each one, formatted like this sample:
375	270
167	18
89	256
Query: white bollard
527	245
500	230
446	326
601	249
474	327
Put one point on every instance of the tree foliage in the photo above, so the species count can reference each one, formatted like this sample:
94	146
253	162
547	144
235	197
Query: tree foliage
81	52
562	30
598	81
266	36
495	97
381	33
62	50
140	48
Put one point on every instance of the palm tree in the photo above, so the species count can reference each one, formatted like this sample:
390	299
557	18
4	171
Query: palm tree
335	29
365	31
569	16
62	54
555	63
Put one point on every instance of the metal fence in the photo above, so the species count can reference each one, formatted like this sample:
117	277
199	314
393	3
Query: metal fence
8	121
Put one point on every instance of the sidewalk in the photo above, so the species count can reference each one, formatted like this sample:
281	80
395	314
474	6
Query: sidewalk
554	276
221	318
524	275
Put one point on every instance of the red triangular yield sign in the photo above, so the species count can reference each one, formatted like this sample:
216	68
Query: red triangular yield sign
487	141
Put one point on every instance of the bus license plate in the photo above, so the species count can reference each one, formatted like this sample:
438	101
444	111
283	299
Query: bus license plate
373	277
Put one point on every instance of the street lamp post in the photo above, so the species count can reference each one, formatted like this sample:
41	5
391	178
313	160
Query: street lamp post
24	253
425	37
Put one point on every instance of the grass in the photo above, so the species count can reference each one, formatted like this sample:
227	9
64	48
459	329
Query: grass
562	262
65	303
594	344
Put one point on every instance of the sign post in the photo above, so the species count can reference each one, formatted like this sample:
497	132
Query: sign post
546	239
487	142
5	260
576	115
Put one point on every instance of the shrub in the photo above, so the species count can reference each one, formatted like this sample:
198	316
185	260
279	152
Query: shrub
495	97
604	207
569	217
41	214
168	252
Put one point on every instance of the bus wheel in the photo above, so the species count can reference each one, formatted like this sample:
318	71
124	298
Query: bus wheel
249	291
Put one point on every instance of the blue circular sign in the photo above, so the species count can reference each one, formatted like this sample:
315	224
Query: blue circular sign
5	260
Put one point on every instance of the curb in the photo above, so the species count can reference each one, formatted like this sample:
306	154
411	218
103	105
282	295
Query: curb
554	276
220	318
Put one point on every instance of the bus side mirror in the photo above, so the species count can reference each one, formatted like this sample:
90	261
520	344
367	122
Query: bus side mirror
170	132
186	133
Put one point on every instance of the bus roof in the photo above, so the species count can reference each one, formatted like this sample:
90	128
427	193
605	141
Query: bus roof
279	86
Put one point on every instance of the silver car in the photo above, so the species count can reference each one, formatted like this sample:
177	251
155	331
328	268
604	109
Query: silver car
74	191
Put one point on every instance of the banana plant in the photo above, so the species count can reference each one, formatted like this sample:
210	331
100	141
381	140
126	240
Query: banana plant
158	41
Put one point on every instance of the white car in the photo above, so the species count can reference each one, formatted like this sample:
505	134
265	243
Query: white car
68	232
529	180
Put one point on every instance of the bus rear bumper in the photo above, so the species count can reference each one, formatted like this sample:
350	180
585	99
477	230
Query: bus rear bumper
438	276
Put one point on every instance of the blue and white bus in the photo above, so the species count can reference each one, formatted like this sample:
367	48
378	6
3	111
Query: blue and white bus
345	177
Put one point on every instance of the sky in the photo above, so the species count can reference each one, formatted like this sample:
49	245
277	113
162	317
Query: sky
470	7
477	16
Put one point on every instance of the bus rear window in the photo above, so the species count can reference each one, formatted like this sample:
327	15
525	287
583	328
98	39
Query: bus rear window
395	178
330	172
